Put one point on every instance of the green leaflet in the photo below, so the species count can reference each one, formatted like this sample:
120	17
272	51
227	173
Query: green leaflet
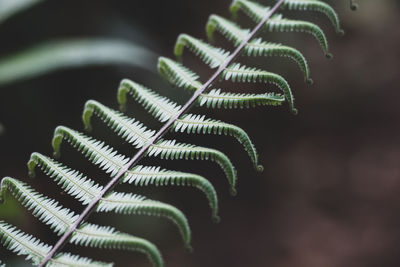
134	204
210	55
158	106
163	109
199	124
71	181
228	28
170	149
239	73
256	47
135	133
145	175
108	238
315	5
45	209
35	250
131	130
178	75
217	99
57	55
279	24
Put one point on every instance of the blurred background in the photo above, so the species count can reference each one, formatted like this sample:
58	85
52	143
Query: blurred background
330	191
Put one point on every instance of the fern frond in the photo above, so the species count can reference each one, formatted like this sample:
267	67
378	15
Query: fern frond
315	5
256	47
85	190
241	73
277	23
126	203
60	219
178	75
132	131
212	56
46	210
35	250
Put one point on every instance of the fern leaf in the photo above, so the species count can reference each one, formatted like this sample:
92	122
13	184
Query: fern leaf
229	29
170	149
145	175
45	209
277	23
71	181
60	219
131	131
199	124
160	107
35	250
96	151
217	99
315	5
164	109
256	47
67	260
108	238
178	75
210	55
134	204
241	73
22	244
63	54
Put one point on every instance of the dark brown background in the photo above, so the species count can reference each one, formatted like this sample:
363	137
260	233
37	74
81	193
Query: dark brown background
330	192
